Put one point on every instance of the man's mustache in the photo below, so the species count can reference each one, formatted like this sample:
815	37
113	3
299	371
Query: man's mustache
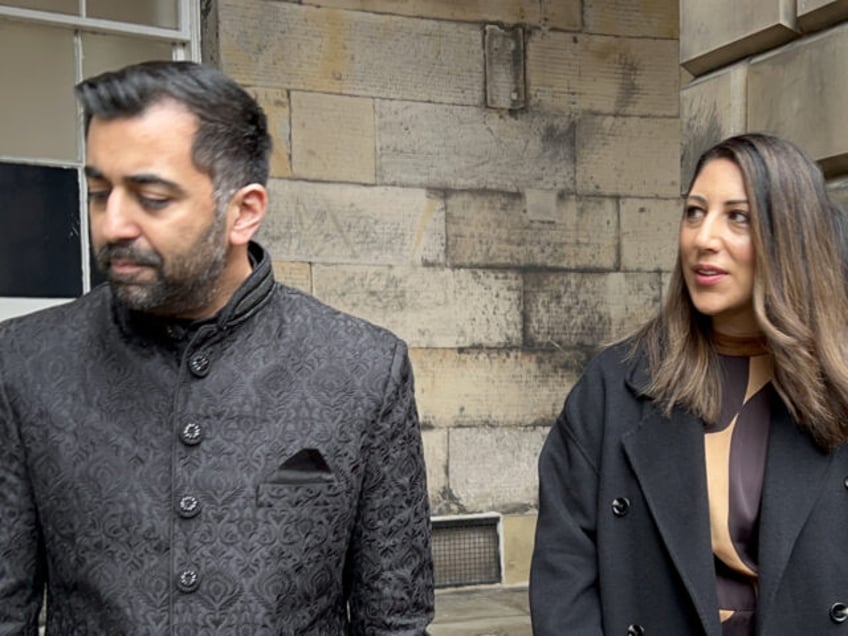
128	252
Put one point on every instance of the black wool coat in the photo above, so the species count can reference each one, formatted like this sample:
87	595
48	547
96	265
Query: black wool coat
623	535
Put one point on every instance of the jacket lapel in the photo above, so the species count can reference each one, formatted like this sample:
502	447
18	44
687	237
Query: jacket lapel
667	457
795	468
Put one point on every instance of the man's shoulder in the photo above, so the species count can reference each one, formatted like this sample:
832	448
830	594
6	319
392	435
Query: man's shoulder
304	313
57	320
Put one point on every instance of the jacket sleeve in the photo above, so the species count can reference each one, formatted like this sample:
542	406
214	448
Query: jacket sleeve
21	555
564	596
390	566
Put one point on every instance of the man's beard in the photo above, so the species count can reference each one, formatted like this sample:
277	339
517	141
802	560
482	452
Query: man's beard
186	283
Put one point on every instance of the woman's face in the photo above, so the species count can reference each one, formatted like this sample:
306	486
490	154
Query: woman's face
716	249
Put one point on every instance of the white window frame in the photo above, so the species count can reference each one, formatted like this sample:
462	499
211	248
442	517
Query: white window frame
185	46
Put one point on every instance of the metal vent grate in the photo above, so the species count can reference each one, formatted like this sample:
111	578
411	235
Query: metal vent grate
466	551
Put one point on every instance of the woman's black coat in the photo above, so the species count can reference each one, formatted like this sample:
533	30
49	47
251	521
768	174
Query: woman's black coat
623	535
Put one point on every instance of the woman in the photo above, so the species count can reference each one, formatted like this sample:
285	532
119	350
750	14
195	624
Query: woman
696	481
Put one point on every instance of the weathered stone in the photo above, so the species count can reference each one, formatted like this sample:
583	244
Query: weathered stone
649	231
616	75
518	539
275	103
542	229
711	109
719	32
504	67
428	307
563	14
350	52
495	468
493	387
812	72
572	309
633	18
461	147
333	137
294	274
436	460
628	156
819	14
333	223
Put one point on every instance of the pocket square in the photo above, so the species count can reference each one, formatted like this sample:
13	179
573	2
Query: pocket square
305	466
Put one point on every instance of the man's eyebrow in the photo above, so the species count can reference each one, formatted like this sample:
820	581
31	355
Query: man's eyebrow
153	179
93	173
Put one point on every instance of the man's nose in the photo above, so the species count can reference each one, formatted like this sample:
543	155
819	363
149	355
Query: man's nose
117	219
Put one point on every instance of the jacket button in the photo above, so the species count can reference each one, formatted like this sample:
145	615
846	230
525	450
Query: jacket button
189	507
635	630
839	612
199	365
620	507
187	581
845	483
191	434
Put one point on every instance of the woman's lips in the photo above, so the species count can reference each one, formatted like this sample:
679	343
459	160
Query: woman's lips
708	275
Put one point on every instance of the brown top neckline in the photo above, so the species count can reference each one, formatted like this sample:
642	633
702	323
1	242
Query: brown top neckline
739	345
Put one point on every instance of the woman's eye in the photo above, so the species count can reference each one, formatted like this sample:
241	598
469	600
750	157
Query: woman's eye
742	218
692	212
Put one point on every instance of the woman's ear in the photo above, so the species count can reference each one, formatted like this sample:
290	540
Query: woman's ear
247	208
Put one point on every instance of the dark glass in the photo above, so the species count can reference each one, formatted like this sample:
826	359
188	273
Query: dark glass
40	250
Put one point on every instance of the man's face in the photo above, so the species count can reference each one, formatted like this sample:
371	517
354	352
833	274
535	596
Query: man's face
152	214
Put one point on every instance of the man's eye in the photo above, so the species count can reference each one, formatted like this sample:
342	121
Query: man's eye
98	197
153	203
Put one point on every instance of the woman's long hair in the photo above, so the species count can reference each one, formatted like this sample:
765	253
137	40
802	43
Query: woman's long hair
800	296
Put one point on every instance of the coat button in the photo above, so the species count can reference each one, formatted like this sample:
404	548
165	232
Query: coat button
191	434
635	630
187	581
189	506
839	612
199	365
845	483
620	506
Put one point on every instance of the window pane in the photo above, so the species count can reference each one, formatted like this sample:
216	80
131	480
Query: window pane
59	6
40	252
101	53
38	115
159	13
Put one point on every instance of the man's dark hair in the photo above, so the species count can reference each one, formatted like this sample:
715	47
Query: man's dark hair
232	144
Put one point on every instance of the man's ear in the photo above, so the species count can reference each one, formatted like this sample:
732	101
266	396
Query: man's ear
247	208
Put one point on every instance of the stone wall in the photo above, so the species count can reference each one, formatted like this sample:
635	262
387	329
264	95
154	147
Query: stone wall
496	182
775	66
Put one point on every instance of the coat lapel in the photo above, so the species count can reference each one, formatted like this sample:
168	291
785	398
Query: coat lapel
667	457
795	469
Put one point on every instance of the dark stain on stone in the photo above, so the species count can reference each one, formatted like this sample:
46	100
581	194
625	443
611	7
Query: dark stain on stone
558	142
703	132
629	88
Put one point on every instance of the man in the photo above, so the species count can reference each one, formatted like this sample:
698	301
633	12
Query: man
194	448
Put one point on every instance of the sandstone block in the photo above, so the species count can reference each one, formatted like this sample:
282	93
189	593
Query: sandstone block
540	229
711	109
461	147
571	309
628	156
563	14
334	223
436	459
518	539
428	307
819	14
616	75
649	233
495	468
275	103
504	67
294	274
493	387
633	18
717	33
333	137
350	52
812	72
